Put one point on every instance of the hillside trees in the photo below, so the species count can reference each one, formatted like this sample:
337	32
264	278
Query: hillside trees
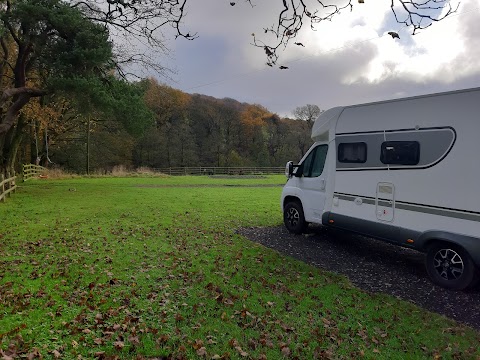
106	127
199	130
170	141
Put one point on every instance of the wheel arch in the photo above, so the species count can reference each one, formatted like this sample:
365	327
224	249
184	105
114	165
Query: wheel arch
292	198
470	244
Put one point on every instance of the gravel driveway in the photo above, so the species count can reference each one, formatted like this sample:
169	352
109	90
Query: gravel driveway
372	265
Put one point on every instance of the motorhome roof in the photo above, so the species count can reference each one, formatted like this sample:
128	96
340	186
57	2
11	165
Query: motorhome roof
414	97
324	127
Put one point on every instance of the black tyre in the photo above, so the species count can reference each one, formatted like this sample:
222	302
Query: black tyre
450	266
293	217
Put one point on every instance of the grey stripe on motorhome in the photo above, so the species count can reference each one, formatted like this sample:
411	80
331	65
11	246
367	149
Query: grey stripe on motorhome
421	208
435	143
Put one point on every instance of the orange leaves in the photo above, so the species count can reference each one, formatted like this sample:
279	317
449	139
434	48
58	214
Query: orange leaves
254	116
164	100
45	113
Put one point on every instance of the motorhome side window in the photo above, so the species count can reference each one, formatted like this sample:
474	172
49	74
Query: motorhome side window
400	152
352	152
315	161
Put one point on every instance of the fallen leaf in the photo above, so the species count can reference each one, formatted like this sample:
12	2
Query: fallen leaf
197	344
286	351
163	339
202	351
100	354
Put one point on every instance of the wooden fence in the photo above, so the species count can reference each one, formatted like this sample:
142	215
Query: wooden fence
7	186
31	171
209	170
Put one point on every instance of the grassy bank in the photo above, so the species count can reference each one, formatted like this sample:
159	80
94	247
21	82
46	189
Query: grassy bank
152	268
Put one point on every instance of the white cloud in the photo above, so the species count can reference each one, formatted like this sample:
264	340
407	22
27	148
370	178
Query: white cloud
431	54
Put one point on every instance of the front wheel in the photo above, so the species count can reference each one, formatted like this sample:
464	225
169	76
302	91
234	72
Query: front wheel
294	218
450	266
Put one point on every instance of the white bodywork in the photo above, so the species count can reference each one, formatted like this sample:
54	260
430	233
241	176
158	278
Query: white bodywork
440	194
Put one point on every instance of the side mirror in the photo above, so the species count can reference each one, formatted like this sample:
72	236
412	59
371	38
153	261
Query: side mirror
293	170
289	169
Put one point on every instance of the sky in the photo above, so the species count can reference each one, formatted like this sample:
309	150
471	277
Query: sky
349	60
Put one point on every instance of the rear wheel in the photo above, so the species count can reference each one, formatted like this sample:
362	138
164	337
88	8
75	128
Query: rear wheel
294	218
450	266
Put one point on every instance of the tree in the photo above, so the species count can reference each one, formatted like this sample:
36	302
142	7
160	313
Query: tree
307	113
46	47
173	131
51	49
103	132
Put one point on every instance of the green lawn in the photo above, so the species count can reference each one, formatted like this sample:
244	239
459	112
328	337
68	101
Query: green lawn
151	267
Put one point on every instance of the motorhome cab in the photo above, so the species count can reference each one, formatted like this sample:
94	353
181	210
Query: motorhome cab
406	171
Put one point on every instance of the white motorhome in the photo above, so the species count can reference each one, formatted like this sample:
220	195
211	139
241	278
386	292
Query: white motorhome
405	171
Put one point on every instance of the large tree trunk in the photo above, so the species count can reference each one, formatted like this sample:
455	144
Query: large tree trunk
11	135
13	140
12	156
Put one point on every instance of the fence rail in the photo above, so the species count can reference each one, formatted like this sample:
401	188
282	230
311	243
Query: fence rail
7	186
210	170
31	171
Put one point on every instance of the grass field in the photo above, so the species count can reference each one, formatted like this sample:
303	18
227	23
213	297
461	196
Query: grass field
152	268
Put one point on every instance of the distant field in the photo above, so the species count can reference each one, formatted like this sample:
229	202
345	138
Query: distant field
152	268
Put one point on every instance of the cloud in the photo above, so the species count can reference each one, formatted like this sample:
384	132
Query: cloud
348	60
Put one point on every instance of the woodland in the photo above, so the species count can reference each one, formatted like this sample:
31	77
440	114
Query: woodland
177	130
68	97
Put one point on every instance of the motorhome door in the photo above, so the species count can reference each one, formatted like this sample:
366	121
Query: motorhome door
313	183
385	201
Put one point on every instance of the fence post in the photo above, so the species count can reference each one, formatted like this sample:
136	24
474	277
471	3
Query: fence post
8	183
3	187
14	182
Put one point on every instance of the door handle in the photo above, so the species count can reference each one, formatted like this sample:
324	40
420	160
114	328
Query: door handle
322	184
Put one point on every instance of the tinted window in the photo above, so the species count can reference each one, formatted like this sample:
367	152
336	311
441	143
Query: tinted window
400	152
352	152
315	161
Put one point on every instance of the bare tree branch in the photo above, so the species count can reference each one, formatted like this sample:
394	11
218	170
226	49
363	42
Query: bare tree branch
141	26
421	14
417	14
